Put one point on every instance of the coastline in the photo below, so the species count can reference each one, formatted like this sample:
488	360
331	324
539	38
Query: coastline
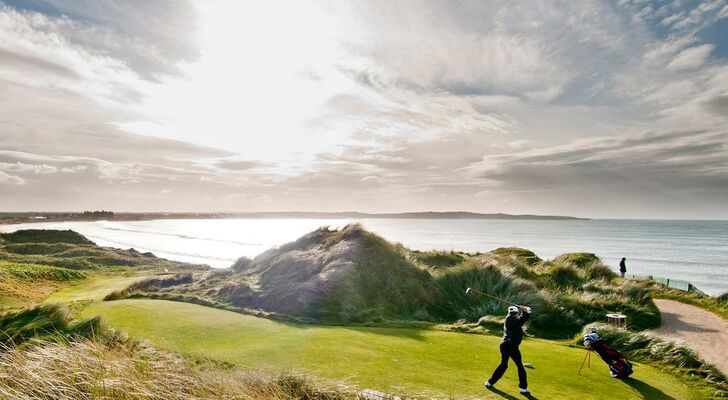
30	217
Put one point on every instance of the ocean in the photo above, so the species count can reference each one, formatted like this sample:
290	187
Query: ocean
696	251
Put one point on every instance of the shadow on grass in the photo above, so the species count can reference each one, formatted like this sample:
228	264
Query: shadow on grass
402	332
647	391
505	395
409	333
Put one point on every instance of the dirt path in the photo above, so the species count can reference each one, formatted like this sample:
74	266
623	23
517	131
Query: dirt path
701	330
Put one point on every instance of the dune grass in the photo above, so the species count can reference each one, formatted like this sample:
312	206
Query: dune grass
423	362
44	236
23	284
43	321
114	367
71	250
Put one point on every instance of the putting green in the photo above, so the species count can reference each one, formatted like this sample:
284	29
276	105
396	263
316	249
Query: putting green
398	360
93	288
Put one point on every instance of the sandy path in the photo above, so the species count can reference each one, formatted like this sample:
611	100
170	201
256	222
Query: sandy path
701	330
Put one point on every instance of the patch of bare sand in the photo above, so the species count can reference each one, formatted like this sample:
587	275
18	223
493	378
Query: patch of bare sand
701	330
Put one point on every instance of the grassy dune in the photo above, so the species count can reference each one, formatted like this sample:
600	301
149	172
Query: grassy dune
23	284
61	267
395	359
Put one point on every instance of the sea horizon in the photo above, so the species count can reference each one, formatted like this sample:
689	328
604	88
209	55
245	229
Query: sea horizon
692	250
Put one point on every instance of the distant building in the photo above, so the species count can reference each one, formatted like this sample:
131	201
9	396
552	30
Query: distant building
98	214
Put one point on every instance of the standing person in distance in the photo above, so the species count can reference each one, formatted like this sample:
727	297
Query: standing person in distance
512	337
623	267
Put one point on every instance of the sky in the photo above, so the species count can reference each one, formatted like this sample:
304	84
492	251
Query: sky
606	109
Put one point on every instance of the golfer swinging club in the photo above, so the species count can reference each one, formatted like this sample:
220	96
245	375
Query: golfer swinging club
512	337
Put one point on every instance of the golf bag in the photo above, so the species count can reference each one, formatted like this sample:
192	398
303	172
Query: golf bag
619	367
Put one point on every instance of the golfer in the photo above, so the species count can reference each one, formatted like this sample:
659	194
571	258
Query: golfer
512	337
623	267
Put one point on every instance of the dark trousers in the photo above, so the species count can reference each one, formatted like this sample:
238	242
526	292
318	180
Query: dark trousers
510	351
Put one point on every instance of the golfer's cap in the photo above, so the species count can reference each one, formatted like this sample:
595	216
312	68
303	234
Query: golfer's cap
593	329
512	309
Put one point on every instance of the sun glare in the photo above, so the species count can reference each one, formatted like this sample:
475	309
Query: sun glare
263	72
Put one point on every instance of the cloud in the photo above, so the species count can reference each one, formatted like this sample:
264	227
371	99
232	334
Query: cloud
692	57
152	36
670	160
74	169
34	168
10	179
239	165
718	105
590	108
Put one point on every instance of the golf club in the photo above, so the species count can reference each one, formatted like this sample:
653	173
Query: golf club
471	290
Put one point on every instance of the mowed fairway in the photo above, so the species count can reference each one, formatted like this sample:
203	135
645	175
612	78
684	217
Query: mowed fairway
410	361
94	288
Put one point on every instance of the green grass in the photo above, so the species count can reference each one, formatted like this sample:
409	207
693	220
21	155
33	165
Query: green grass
44	236
49	321
94	288
672	356
68	249
518	254
23	284
438	259
382	286
400	360
32	272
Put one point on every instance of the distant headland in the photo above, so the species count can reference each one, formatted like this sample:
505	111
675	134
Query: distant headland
25	217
